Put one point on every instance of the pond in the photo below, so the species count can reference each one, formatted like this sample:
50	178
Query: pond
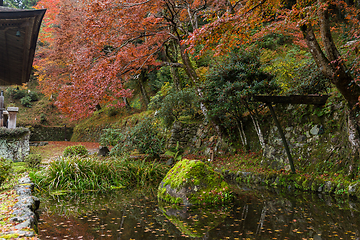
257	213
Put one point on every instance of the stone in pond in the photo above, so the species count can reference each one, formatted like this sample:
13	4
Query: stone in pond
192	182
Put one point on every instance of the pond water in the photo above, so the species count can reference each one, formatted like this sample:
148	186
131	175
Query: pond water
257	213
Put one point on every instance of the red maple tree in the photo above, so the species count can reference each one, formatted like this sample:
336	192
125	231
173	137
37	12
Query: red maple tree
98	46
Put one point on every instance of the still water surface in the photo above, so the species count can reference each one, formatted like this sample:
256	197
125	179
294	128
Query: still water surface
257	213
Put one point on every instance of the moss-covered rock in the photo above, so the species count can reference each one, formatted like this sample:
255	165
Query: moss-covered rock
192	182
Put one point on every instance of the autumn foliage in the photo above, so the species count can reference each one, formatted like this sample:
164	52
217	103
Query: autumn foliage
90	49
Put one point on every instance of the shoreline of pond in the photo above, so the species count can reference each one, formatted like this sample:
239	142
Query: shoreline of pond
304	183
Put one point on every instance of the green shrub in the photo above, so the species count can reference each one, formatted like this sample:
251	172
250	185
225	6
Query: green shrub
145	137
25	97
26	101
16	93
5	168
33	160
78	150
91	174
33	96
229	85
172	105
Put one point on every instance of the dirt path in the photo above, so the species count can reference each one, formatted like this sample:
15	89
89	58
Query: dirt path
55	149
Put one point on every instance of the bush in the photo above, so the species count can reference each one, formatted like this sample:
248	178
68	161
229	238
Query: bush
84	174
229	85
145	137
26	101
5	168
25	97
175	104
78	150
33	160
16	93
33	96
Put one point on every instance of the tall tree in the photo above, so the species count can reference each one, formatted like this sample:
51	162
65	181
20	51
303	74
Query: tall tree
99	45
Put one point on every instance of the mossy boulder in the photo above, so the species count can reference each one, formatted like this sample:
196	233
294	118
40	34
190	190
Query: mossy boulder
192	182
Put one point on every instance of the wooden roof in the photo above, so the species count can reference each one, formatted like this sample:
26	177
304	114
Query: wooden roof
19	31
293	99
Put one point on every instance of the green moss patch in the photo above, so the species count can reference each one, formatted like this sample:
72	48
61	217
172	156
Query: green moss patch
192	182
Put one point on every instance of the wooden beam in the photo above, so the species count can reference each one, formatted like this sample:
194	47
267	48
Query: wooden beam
293	99
286	146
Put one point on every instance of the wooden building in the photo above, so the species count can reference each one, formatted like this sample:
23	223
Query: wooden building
19	30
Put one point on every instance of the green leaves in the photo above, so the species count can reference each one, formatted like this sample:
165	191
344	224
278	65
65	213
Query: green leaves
231	82
175	104
144	137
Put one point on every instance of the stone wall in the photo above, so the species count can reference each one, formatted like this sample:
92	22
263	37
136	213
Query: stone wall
197	138
182	134
313	133
14	143
44	133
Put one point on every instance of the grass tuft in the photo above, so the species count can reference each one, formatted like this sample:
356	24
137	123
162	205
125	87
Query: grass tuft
91	174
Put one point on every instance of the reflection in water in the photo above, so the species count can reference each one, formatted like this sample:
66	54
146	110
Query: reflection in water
255	214
195	221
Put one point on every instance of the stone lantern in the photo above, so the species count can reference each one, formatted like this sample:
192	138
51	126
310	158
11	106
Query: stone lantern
12	111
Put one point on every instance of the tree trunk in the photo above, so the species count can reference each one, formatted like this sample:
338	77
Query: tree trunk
127	104
243	138
175	73
144	94
173	58
258	130
194	78
256	125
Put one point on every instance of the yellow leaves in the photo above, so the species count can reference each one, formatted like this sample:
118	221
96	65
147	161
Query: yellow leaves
201	72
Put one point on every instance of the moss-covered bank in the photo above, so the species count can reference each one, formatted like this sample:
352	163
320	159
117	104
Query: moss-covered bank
303	182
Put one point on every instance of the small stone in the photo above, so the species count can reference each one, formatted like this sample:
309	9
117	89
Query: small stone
26	224
315	130
170	162
24	180
353	188
198	143
301	138
103	151
24	190
328	186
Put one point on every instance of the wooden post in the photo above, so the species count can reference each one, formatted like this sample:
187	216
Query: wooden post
287	150
2	108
